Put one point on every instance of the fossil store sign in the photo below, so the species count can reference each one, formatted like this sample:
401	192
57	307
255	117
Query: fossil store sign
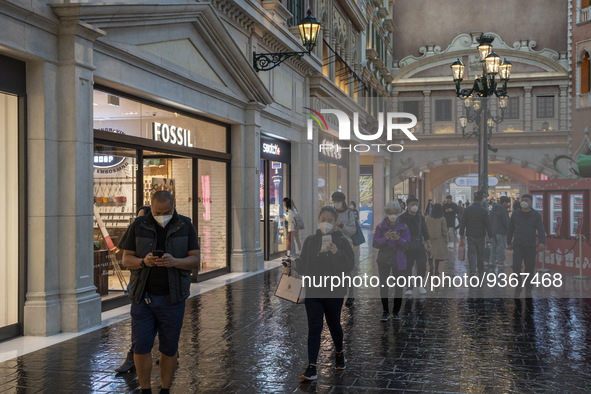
171	134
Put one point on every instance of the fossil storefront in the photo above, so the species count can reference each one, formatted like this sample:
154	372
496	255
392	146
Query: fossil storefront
141	148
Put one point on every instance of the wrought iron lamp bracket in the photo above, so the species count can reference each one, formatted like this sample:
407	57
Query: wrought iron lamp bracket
268	61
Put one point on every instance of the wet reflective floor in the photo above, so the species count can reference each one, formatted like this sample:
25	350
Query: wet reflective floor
240	338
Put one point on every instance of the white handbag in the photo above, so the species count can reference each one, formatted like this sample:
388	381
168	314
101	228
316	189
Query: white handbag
290	288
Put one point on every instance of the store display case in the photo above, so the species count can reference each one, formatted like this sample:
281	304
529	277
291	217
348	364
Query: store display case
566	212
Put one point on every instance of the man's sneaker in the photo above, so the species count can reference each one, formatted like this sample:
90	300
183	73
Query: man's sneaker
408	292
310	373
385	316
340	361
422	290
349	301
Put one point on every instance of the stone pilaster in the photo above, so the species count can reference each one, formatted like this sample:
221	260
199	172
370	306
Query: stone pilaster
247	254
427	111
80	304
378	190
527	109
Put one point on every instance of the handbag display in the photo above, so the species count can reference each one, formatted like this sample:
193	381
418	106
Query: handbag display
291	289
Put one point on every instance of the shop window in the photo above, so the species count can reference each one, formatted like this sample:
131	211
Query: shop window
555	222
212	214
585	85
114	200
545	106
512	110
576	213
9	218
443	110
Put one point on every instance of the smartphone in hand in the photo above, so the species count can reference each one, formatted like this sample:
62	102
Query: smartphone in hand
157	253
326	241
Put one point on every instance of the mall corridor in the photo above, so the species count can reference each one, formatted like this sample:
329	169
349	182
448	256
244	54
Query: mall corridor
240	338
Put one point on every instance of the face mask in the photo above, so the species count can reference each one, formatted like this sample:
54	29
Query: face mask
414	209
393	217
338	205
163	220
325	227
524	205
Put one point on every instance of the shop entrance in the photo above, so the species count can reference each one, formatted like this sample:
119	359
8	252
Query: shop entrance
122	186
274	186
274	183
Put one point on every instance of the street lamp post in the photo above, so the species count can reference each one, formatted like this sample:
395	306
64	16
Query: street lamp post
477	100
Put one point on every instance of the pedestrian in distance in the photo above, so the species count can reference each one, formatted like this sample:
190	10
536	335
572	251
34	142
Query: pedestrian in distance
128	365
499	220
437	228
326	253
475	225
345	224
356	253
293	233
416	254
450	212
161	250
429	208
524	227
391	238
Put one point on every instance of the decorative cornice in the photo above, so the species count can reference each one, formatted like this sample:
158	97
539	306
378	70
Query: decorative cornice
466	44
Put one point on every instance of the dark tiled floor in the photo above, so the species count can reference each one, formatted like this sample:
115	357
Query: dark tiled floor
242	339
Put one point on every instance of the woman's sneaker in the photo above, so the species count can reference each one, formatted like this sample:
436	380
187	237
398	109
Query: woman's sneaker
310	373
385	316
340	361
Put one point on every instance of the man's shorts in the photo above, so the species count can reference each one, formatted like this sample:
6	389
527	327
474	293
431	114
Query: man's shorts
160	316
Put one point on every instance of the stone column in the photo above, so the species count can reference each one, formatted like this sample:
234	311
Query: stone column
42	306
427	111
80	304
354	160
304	181
527	109
378	190
247	254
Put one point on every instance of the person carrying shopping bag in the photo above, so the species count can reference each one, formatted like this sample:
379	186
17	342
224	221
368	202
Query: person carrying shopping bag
325	253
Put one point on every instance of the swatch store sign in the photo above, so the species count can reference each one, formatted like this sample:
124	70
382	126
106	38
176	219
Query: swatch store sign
275	150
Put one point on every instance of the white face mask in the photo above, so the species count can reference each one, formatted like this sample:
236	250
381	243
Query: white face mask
414	209
524	205
163	220
325	227
393	217
338	205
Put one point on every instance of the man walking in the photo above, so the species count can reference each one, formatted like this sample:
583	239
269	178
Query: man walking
415	255
524	226
476	224
160	251
450	212
499	221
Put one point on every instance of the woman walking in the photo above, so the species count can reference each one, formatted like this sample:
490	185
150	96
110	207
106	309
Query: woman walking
437	228
391	238
292	227
325	253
